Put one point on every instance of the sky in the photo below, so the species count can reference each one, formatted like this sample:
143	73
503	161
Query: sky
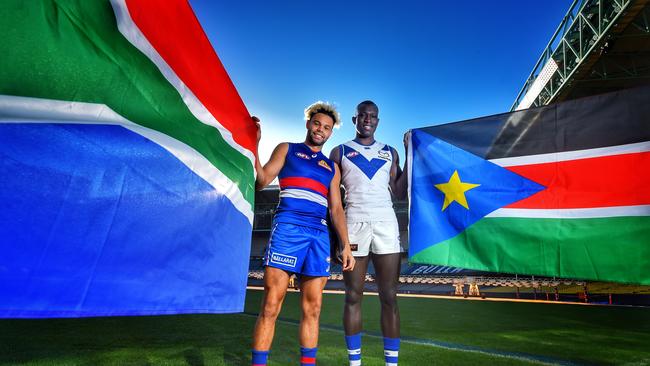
423	62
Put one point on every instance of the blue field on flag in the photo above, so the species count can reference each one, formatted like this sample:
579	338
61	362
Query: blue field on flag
103	221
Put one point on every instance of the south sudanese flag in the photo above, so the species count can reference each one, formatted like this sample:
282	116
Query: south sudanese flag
126	163
561	190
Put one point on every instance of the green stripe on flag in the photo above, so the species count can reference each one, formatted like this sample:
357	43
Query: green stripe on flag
606	249
73	51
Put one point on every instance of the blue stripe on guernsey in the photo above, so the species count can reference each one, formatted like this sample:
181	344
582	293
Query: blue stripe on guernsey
369	168
353	343
302	212
391	350
304	182
120	213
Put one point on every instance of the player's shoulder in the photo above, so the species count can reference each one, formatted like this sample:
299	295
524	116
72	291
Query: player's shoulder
284	146
392	150
336	153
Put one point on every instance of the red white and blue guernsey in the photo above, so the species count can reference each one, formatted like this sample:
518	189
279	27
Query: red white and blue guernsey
299	241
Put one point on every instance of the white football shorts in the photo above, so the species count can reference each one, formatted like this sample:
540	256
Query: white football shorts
379	237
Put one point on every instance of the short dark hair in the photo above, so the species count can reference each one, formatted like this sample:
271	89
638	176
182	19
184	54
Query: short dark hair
366	102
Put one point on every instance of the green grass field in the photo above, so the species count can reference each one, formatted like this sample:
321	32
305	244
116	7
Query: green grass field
435	332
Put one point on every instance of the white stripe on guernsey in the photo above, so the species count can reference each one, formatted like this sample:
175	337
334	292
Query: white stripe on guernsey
132	33
354	351
638	147
355	362
303	195
573	213
390	353
36	110
391	363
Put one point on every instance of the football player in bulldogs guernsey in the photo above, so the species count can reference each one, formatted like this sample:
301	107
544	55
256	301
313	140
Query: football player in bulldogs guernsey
370	172
299	243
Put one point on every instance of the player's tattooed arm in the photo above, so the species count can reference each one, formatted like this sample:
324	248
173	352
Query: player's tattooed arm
267	173
338	219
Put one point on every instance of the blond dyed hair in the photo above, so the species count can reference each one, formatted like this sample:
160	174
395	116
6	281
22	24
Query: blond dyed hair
324	108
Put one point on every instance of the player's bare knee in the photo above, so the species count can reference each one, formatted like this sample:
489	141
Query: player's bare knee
388	299
271	309
353	297
311	309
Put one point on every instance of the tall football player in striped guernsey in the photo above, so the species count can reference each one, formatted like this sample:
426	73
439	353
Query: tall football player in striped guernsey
299	243
370	172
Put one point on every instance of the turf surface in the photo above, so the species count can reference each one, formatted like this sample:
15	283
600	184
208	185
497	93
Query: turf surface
436	332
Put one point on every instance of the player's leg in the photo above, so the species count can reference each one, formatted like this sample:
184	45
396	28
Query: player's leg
360	234
387	267
275	288
386	258
360	237
311	298
285	253
352	321
387	276
354	284
313	277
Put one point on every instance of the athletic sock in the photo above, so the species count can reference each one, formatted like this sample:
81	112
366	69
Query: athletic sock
308	356
259	358
353	342
391	351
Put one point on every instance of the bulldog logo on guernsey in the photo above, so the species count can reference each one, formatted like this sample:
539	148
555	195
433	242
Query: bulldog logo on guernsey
351	154
303	156
282	259
324	165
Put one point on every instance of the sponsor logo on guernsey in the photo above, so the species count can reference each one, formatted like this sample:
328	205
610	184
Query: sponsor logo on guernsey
324	165
351	154
323	221
303	156
384	154
282	259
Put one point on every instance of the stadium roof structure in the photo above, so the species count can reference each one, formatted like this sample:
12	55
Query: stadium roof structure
600	46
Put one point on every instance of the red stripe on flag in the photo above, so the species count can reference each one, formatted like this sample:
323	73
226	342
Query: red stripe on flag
308	360
616	180
300	182
174	31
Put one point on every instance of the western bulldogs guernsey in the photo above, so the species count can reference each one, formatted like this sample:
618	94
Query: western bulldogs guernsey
365	173
304	184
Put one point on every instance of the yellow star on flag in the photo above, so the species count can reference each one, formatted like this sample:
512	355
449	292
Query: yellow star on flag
454	190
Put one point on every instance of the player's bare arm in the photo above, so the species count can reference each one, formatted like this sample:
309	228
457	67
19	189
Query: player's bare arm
395	175
270	170
398	178
338	219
